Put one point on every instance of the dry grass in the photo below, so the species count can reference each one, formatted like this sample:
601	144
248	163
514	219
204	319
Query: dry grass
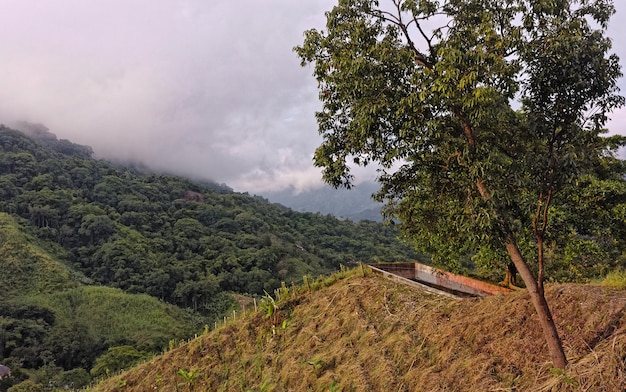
371	334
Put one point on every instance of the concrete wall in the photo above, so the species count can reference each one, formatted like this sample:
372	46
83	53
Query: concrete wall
440	278
410	282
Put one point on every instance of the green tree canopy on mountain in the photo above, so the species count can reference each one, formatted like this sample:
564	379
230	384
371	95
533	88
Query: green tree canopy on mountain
162	234
51	319
69	220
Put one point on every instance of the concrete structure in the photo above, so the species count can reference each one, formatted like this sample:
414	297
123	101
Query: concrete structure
409	282
5	371
440	280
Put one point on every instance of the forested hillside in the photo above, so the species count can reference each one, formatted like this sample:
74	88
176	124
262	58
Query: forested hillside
180	241
53	325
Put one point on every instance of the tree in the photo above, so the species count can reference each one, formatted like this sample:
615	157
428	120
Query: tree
73	346
196	293
96	228
116	359
27	386
430	91
590	236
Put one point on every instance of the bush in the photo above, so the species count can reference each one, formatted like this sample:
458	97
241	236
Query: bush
615	280
26	386
116	359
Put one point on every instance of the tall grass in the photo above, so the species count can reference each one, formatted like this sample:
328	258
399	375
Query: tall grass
615	280
114	316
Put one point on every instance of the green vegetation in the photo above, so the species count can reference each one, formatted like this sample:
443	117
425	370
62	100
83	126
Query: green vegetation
495	111
28	269
615	280
118	358
104	265
172	238
51	321
366	333
496	118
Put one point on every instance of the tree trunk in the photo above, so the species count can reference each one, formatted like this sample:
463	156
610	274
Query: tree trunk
509	278
535	289
538	299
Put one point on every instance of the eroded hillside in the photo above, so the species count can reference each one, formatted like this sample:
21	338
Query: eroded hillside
371	334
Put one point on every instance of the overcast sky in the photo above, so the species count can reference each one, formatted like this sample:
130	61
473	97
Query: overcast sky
211	89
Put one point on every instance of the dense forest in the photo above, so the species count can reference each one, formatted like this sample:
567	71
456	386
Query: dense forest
114	234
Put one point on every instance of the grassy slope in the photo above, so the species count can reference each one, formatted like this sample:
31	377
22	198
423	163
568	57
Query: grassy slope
117	318
26	268
32	276
371	334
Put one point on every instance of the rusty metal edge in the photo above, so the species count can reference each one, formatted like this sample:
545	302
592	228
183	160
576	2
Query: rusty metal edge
459	282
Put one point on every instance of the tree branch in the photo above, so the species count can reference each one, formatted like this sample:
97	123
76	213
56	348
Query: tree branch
543	205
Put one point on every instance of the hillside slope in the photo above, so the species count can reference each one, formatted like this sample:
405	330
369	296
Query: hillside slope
170	237
69	222
26	268
48	314
371	334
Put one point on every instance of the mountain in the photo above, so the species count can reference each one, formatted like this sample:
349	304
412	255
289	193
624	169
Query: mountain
42	135
80	235
366	333
50	315
161	234
355	204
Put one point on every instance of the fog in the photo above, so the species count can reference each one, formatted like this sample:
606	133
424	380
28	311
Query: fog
211	90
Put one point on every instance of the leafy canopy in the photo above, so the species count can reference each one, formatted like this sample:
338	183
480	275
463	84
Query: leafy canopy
480	113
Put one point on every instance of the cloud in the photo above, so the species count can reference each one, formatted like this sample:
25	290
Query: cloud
210	89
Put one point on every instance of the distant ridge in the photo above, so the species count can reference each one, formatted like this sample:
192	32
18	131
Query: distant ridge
355	204
42	135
